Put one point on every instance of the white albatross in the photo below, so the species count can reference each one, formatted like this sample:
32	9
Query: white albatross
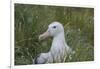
59	48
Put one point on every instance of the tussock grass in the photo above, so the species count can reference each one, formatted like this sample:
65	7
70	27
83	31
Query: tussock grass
32	20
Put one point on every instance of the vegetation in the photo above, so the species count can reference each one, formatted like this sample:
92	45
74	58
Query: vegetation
32	20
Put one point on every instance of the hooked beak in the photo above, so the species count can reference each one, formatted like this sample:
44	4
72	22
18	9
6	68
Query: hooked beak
44	35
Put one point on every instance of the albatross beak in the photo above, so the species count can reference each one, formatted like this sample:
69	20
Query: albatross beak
44	35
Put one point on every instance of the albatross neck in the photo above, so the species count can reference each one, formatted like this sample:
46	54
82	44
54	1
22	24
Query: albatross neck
59	38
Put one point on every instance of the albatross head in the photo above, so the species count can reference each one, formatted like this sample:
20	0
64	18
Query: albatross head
54	29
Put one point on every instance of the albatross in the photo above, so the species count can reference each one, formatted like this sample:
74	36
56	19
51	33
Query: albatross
59	50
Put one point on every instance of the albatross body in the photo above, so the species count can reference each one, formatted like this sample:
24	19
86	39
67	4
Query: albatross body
59	48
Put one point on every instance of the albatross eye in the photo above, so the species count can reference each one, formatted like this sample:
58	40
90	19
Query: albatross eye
54	26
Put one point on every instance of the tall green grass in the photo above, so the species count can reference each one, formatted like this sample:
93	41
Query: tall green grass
32	20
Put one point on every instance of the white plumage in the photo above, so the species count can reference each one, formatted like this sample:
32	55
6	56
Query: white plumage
59	48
